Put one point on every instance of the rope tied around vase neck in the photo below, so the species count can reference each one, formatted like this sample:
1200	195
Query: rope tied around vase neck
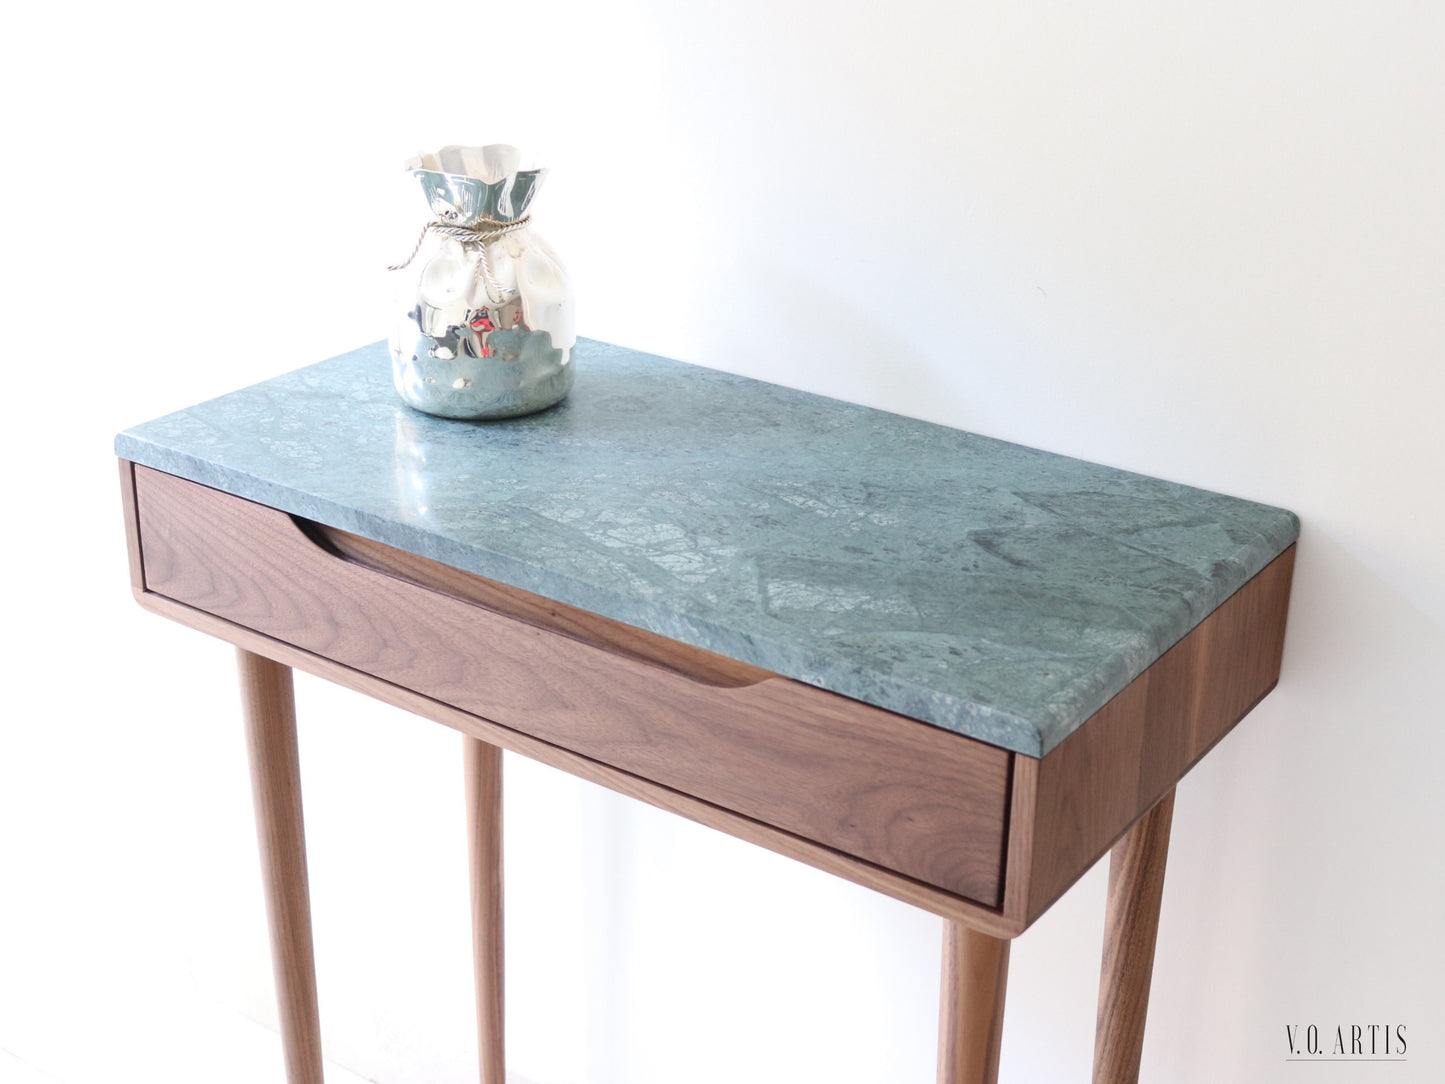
476	236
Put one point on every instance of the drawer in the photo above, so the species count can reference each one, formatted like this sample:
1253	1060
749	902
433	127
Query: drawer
896	793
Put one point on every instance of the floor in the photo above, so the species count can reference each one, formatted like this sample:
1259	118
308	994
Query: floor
214	1045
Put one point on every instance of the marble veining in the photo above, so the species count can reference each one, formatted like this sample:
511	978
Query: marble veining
984	587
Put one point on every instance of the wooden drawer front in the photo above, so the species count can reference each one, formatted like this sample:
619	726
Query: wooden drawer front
875	785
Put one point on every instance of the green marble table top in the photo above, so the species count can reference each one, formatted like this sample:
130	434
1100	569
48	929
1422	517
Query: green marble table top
981	586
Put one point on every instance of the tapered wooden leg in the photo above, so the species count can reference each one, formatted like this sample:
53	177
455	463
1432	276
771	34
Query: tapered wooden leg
484	846
1136	884
970	1023
270	713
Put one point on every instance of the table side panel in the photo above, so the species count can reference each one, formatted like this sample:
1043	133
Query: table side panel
132	524
908	797
1073	804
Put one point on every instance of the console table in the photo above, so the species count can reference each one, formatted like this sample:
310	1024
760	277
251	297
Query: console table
952	669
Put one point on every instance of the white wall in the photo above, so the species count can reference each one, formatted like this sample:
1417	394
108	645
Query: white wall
1204	241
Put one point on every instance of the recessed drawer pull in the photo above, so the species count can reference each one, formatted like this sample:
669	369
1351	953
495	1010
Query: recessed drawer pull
612	636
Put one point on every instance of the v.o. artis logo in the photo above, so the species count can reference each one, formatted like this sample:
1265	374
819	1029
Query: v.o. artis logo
1346	1042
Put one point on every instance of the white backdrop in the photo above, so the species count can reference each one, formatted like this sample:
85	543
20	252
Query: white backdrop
1204	241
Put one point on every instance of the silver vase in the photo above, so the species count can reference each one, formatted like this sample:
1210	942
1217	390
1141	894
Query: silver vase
485	322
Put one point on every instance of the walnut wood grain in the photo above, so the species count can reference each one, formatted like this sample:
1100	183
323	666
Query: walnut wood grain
1069	807
908	798
482	764
270	714
1131	924
927	897
970	1023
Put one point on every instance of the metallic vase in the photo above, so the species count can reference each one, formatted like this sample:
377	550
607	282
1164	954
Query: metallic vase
484	324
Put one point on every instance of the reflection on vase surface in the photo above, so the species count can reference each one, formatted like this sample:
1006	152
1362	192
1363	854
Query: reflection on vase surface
484	324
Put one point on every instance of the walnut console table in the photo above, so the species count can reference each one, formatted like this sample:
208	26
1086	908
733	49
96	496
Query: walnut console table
949	668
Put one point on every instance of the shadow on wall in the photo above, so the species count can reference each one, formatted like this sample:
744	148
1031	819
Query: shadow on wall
1311	833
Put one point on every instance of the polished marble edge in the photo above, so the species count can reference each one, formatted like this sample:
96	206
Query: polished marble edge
1033	732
